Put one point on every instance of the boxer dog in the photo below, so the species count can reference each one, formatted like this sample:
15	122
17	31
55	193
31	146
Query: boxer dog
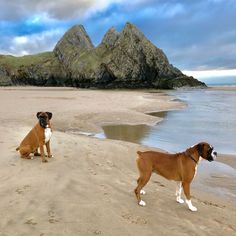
180	167
38	137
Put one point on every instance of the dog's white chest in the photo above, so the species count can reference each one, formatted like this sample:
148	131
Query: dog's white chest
196	167
195	172
47	134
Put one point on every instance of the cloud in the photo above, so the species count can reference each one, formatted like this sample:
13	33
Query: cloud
202	35
31	44
21	40
211	73
209	55
55	9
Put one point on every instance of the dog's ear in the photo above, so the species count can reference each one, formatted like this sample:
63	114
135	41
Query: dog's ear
49	115
200	149
38	113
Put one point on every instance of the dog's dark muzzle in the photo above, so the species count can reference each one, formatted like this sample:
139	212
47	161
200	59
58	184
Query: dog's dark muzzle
43	122
211	155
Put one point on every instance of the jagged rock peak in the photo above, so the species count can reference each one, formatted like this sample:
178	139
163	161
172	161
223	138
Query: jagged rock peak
76	36
110	37
122	60
72	44
131	29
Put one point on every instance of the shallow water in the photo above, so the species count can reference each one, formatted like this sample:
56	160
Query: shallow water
216	177
210	116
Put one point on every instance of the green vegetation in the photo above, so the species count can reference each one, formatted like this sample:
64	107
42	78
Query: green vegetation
89	61
13	63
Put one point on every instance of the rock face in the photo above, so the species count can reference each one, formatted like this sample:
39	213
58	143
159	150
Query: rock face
5	79
41	70
74	43
122	60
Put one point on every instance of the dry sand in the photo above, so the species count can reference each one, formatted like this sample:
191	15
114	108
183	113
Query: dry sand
87	188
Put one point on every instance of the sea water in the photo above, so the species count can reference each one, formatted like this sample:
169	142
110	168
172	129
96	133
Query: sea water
210	116
220	80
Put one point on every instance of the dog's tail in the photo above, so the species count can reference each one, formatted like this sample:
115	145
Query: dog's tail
18	148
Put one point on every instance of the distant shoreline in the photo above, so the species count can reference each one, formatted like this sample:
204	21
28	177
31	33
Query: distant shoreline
222	87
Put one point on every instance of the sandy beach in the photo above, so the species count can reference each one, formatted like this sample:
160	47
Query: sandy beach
87	187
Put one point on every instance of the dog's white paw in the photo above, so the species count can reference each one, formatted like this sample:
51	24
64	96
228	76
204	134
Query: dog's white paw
179	200
193	208
142	192
142	203
190	206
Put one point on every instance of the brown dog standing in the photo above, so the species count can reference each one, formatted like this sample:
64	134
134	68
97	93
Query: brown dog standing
180	167
38	137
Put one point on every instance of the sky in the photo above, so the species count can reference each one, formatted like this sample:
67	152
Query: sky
196	35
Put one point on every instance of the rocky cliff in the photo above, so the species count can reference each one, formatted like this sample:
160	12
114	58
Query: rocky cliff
122	60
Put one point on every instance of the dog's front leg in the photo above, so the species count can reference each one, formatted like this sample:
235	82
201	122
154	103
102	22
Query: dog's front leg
178	193
42	154
48	149
186	187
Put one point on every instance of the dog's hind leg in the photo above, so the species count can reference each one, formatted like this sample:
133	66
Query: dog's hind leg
142	192
142	181
25	151
145	172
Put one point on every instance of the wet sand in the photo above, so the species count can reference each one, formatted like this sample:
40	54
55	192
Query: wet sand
87	188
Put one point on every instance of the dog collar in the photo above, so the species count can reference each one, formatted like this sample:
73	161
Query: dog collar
190	156
193	159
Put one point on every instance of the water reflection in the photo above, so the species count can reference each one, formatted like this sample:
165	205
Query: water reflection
131	133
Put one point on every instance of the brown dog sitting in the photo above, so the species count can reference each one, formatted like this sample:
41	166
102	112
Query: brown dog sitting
38	137
180	167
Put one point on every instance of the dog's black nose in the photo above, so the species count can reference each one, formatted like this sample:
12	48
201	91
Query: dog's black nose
215	153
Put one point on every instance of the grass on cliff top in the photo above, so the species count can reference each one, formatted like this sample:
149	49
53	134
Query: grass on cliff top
89	61
15	62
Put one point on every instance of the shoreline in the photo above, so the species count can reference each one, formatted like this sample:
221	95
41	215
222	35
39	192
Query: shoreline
88	173
221	87
171	104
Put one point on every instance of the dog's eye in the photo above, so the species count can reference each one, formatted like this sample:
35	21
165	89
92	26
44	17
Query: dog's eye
210	150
